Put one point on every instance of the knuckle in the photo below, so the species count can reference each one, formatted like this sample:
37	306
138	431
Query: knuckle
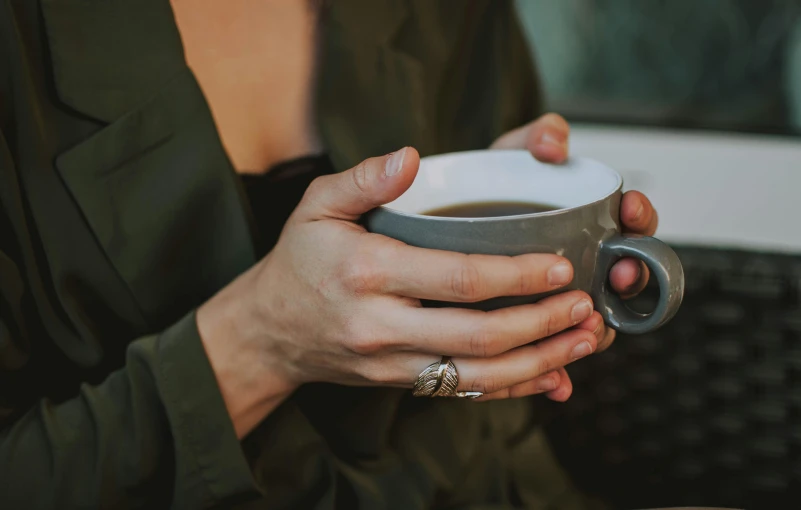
532	271
368	372
546	321
466	282
526	280
361	274
488	383
314	189
361	177
382	374
365	345
311	198
504	393
549	325
544	324
363	340
544	365
483	342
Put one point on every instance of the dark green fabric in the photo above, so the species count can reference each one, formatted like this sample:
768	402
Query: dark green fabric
121	213
437	75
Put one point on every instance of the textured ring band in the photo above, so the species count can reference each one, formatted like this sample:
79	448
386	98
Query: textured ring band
440	379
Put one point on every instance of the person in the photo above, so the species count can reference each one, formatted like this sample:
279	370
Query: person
182	328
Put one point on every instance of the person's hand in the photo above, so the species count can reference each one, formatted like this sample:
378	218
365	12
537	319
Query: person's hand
337	304
547	138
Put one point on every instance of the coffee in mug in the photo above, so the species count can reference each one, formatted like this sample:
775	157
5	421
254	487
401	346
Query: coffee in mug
490	209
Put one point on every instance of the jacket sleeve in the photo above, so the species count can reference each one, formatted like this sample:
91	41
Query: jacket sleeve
154	434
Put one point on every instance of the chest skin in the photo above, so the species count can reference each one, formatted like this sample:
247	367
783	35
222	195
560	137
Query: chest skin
255	62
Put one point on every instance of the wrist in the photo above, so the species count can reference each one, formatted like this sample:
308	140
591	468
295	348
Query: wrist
250	383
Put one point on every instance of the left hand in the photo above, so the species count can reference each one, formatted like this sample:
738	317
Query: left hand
547	139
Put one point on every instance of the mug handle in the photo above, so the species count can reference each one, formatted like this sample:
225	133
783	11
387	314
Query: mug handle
665	266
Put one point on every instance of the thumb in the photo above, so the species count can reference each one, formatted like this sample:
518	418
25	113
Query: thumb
371	183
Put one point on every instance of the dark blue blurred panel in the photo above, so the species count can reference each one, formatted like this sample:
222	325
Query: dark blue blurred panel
730	65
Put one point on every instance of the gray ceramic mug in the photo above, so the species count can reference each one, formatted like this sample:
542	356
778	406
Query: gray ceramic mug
584	227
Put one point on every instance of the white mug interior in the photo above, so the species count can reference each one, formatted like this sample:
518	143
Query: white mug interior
505	176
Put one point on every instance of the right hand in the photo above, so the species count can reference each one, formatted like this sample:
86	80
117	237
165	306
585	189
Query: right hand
334	303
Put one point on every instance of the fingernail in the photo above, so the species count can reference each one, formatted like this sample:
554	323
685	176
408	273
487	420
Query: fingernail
394	162
639	212
546	384
549	137
559	274
598	328
581	311
581	350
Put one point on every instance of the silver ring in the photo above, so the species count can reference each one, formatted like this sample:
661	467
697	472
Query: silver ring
440	379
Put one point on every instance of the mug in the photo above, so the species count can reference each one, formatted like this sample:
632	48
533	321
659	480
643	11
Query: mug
583	226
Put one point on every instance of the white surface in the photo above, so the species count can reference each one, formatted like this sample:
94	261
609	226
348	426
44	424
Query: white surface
737	191
482	176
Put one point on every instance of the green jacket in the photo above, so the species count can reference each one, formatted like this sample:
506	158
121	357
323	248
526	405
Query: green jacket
120	213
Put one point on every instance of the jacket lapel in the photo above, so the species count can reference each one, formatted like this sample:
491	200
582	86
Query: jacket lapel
153	181
392	74
370	95
110	55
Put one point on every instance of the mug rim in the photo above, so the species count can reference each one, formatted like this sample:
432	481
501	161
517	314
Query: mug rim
483	219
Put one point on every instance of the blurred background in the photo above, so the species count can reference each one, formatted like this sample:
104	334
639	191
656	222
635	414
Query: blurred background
733	65
698	104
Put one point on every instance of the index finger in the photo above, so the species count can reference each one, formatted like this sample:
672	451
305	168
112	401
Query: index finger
455	277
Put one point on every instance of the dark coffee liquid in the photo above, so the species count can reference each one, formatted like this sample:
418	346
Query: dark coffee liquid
490	209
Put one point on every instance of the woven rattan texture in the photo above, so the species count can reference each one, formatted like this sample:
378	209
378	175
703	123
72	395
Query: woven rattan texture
705	411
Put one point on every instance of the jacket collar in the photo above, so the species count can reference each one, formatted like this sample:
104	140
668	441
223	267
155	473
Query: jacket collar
108	56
